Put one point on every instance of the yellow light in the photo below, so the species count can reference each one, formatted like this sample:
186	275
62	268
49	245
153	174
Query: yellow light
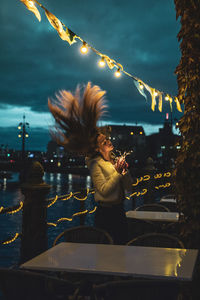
59	163
131	133
19	127
156	93
141	132
167	98
19	135
26	135
141	86
118	73
102	63
84	48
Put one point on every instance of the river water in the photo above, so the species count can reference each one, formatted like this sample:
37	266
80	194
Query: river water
61	184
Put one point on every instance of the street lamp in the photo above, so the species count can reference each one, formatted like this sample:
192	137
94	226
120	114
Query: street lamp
23	134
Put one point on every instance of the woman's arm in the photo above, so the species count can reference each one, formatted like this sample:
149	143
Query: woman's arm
103	185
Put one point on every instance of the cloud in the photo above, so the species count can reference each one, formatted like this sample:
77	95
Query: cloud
35	63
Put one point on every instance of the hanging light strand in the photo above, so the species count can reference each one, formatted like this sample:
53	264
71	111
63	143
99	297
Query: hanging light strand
71	37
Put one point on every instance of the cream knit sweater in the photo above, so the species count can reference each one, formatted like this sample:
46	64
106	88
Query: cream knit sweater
108	184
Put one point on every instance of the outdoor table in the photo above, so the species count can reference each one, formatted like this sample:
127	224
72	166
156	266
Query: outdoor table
135	261
153	215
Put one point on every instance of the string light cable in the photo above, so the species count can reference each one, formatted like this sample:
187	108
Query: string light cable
70	37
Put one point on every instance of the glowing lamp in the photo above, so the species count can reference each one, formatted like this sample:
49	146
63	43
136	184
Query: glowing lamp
19	127
118	73
26	135
131	133
156	93
84	48
166	98
141	86
141	132
19	135
102	63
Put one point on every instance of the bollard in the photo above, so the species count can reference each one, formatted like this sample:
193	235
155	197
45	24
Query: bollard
34	216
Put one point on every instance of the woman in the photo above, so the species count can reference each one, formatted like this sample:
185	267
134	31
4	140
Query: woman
76	130
110	181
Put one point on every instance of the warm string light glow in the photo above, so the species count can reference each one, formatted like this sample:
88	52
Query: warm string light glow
84	48
102	62
118	73
70	37
71	218
12	240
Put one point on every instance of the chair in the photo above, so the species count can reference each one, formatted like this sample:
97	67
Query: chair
152	207
26	285
157	240
137	227
84	234
172	206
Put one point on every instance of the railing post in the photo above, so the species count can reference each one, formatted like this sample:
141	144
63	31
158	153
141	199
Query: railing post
34	216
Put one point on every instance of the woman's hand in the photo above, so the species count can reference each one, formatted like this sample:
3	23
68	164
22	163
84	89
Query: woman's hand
121	165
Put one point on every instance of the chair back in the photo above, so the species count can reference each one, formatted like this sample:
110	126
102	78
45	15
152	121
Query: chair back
26	285
137	227
157	240
153	207
84	234
172	206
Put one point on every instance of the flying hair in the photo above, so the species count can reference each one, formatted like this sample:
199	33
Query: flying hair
76	116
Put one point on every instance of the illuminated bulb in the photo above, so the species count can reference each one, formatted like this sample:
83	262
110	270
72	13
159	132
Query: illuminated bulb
19	135
156	94
84	48
167	98
141	86
26	135
19	127
131	133
118	73
140	132
31	3
102	62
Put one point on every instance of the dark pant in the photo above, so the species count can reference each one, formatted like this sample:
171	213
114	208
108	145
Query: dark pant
113	220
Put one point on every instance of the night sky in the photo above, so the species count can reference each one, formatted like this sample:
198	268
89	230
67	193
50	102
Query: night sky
35	62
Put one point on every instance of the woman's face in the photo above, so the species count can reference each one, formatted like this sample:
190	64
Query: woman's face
104	144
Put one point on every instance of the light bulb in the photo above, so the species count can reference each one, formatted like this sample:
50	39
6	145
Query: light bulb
19	127
141	86
118	73
26	135
84	48
19	135
156	93
167	98
101	62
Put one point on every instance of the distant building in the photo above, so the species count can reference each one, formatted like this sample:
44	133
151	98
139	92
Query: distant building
126	137
162	145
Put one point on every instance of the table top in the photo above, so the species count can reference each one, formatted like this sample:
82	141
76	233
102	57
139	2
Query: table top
145	262
171	200
153	215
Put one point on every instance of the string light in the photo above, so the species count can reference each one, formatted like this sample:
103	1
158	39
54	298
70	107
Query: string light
141	86
84	48
117	73
71	37
19	135
102	62
12	240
